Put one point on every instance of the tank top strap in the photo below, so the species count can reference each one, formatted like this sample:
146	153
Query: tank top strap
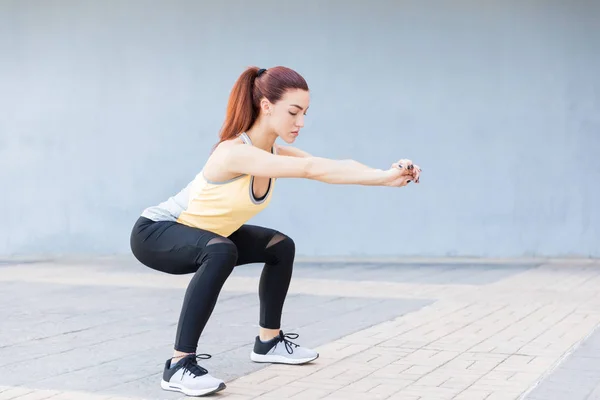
246	139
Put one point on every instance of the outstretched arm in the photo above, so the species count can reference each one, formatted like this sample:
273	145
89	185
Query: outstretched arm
250	160
296	152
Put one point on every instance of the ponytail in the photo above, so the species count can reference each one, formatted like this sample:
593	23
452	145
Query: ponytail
241	110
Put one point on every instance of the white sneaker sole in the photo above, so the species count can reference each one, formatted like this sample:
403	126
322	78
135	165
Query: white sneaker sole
174	387
260	358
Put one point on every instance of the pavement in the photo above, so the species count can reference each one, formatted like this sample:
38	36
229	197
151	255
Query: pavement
408	329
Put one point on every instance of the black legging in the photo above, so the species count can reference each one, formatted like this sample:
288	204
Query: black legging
178	249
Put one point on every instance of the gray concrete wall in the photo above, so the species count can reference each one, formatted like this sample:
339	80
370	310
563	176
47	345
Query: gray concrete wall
108	107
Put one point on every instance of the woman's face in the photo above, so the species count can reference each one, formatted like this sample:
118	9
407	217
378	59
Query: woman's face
286	116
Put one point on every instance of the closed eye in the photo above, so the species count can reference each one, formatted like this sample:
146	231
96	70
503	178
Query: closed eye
297	106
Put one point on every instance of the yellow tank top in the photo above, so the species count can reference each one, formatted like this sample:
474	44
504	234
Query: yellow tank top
223	207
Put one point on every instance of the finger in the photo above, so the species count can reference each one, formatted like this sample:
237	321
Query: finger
416	173
403	171
405	163
407	167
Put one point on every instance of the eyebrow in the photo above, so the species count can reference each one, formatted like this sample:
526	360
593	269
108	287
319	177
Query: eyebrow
296	105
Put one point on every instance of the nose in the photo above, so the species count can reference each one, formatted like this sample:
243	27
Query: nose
300	122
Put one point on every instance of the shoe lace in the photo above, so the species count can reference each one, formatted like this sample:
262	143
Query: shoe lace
191	365
284	338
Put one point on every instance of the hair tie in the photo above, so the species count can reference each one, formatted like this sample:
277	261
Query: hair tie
260	72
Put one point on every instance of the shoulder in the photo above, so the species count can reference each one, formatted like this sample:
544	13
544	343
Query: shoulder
222	149
215	168
228	144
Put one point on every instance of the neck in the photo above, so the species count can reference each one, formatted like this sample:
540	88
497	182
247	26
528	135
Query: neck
261	136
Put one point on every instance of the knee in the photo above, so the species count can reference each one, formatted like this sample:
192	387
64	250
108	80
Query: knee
288	246
221	251
284	249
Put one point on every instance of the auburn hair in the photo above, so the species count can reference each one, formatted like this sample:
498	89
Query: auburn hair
243	105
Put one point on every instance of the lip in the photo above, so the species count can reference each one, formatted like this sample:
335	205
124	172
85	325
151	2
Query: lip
295	133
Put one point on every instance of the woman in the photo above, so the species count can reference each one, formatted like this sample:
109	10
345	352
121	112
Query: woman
203	229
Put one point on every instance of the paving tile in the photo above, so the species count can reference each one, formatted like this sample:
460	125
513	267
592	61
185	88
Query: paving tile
102	329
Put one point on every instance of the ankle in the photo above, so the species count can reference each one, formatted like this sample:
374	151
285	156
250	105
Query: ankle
267	334
178	355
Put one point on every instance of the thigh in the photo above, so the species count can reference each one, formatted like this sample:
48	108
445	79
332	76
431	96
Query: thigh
252	241
170	246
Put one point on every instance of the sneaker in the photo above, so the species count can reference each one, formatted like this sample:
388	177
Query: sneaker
280	350
187	377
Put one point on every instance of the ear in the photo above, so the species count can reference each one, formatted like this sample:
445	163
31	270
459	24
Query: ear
266	106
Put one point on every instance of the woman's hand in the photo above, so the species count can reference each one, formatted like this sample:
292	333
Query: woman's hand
402	173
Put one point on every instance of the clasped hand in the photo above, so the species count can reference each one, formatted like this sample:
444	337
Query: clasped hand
402	173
